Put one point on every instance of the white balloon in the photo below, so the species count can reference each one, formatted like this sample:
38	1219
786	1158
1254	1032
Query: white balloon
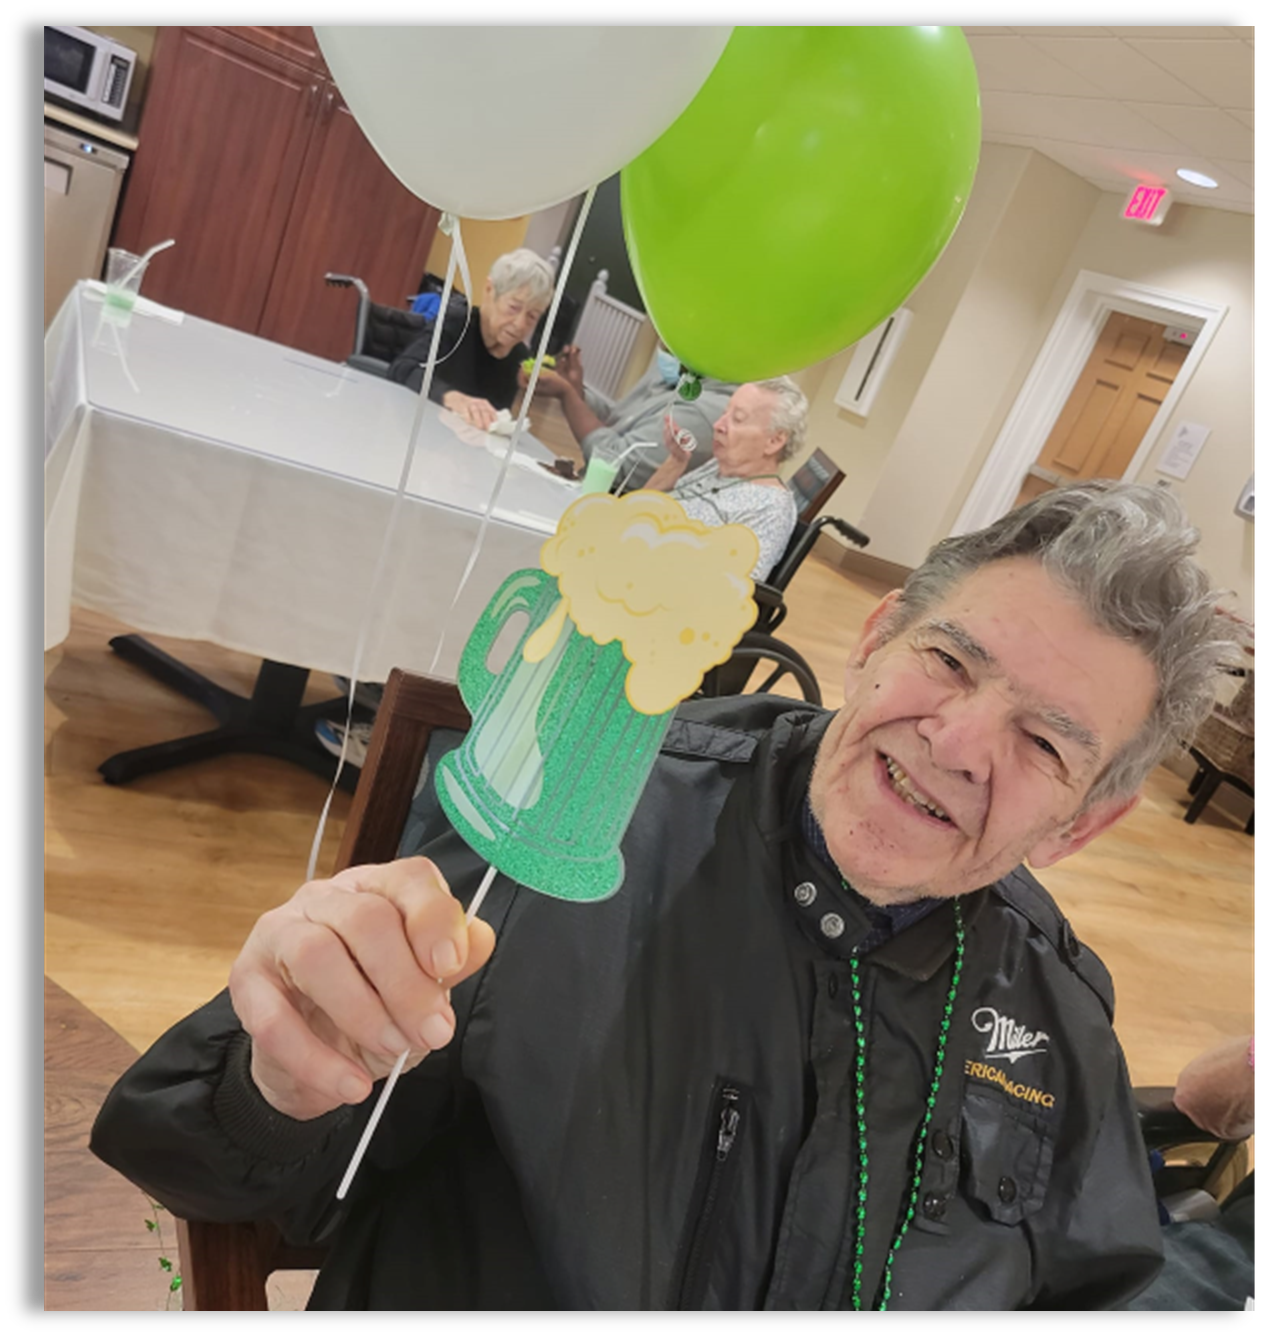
496	122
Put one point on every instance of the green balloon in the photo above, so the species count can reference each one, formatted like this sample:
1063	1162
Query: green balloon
802	194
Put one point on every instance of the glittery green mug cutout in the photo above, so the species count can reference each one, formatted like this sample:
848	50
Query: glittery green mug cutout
548	776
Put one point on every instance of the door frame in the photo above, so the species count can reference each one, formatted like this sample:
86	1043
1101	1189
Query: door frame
1065	351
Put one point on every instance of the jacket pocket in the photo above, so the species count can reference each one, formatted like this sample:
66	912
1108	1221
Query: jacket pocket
726	1124
1006	1156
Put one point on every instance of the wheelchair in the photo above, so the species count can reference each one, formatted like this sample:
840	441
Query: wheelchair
759	643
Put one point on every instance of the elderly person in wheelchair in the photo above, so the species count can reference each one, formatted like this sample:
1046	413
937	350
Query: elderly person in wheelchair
763	426
831	1047
477	374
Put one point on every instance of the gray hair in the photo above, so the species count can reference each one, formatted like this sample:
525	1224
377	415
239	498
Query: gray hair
789	416
1124	550
522	269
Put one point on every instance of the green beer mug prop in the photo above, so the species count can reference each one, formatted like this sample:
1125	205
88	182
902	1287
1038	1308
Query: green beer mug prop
545	783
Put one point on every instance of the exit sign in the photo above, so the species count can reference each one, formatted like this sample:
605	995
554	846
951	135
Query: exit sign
1148	204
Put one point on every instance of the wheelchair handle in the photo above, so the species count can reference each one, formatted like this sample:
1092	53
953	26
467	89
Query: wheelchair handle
361	314
857	537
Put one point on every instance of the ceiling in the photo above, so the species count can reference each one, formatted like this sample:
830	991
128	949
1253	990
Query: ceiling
1126	106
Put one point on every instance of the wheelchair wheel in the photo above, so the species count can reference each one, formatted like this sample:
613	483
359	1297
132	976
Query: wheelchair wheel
757	646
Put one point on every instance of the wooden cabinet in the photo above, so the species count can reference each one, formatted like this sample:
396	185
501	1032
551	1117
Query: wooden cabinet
296	44
378	231
249	158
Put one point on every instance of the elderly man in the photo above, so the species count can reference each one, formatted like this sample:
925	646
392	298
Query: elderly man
831	1045
477	373
640	418
764	424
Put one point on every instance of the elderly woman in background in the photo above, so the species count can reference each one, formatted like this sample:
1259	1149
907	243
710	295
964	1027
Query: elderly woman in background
764	425
477	375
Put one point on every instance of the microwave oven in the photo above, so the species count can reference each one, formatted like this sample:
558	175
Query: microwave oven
88	70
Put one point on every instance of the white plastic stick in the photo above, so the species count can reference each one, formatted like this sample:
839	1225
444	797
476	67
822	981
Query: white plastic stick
362	1147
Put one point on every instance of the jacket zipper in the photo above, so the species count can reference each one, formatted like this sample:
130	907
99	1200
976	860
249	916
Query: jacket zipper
718	1172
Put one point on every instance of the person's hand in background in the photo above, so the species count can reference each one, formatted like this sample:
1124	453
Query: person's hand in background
1216	1090
570	366
549	384
477	413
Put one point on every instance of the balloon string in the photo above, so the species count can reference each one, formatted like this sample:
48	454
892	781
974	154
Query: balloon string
396	507
549	321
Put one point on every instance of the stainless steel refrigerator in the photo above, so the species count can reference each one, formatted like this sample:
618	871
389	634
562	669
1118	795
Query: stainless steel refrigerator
82	178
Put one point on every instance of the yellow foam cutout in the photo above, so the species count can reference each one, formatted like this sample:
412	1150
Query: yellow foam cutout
676	593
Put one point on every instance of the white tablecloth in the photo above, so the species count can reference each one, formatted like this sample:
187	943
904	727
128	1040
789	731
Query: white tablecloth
204	483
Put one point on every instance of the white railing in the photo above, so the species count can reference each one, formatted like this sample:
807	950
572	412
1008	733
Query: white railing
606	333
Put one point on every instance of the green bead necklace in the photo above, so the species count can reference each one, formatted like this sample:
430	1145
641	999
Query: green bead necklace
861	1048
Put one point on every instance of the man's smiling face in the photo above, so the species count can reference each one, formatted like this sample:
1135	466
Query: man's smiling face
969	741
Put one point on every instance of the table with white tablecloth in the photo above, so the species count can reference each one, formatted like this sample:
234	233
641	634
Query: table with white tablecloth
204	483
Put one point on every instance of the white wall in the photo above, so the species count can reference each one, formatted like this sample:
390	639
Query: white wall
977	368
861	446
981	318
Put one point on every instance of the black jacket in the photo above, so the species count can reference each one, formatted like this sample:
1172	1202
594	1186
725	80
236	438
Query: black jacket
649	1102
464	363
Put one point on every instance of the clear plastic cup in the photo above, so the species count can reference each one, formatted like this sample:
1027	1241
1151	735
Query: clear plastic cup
123	273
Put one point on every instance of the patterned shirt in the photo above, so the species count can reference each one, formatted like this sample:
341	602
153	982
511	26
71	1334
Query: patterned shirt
766	509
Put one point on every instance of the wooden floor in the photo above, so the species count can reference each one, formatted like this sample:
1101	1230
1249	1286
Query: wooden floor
150	888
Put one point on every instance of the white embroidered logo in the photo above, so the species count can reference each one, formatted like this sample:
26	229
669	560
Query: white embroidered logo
1007	1039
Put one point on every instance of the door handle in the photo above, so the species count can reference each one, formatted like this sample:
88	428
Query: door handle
330	98
312	94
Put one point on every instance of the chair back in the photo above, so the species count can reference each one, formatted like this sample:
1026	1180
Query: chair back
607	332
813	483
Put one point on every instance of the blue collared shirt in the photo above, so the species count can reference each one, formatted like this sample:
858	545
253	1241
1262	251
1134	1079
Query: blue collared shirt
887	921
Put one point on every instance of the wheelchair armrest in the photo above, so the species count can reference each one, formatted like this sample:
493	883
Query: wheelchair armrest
1161	1124
771	606
767	596
857	537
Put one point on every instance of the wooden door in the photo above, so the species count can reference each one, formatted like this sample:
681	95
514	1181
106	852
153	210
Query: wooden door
222	141
351	216
1126	378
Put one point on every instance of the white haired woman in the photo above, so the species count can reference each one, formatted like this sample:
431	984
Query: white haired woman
478	376
764	425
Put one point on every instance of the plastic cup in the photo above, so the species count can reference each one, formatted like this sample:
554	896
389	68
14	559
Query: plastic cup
600	474
123	273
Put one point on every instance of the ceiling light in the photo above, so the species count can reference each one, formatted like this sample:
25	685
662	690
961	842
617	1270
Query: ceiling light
1196	178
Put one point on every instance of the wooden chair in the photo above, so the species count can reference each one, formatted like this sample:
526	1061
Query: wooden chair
226	1266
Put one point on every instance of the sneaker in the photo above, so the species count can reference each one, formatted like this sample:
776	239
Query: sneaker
331	736
366	694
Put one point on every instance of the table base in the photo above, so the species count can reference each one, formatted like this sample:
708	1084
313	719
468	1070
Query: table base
271	721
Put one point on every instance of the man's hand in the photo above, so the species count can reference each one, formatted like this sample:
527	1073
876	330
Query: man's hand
570	366
477	413
334	985
549	385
